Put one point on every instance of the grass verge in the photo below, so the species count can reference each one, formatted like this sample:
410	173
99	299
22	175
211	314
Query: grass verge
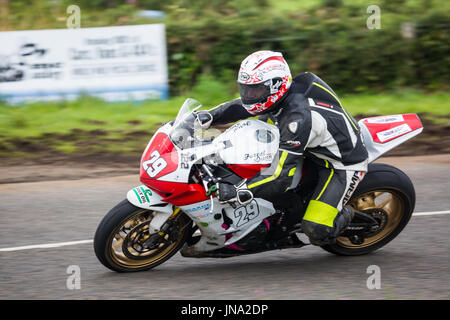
89	127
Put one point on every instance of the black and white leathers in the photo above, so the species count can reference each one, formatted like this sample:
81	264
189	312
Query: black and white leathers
312	124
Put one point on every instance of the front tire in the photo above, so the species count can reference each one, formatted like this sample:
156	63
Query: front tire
121	242
388	195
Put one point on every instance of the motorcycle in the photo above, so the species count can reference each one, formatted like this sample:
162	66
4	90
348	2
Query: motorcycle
176	207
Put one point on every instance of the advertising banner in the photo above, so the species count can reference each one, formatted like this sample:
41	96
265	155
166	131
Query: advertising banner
114	63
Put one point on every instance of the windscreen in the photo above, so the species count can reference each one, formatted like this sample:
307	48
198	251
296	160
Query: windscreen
185	126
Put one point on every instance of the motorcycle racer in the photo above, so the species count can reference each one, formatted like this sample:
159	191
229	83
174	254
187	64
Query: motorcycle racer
313	124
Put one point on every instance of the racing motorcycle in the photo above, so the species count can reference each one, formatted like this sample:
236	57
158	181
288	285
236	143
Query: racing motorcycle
177	208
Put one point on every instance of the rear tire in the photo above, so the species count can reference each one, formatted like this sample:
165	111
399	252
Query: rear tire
120	236
387	193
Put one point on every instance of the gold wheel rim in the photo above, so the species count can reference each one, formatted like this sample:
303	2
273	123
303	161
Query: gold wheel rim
392	208
132	259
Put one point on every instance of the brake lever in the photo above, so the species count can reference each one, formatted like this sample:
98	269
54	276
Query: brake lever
207	190
210	190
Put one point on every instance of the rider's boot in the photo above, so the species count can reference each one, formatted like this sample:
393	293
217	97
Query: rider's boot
321	234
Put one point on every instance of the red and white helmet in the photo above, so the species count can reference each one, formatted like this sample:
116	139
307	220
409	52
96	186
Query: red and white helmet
264	77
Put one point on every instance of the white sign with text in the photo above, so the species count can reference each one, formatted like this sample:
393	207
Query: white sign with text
114	63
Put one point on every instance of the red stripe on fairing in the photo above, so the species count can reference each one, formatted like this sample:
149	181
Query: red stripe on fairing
177	193
270	59
247	171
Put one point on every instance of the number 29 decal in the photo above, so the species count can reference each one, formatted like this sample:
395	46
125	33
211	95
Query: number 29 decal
246	213
155	165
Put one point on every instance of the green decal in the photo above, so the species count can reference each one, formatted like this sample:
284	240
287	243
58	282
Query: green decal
137	195
145	193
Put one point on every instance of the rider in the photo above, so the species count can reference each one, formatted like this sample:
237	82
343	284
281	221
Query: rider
313	124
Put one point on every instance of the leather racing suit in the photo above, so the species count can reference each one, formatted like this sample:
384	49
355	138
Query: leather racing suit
313	124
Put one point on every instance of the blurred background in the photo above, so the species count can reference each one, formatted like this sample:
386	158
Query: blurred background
401	66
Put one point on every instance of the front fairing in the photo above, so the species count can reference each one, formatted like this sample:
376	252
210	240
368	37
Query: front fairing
160	157
168	159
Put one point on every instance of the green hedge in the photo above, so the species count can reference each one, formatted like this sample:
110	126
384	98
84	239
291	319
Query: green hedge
327	37
334	43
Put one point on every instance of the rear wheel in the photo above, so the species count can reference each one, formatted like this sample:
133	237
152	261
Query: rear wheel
123	242
388	196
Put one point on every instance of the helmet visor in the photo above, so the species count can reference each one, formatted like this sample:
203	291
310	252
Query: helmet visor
254	93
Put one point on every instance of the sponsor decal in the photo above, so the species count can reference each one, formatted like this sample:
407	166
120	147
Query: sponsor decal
27	63
244	76
202	216
143	194
386	119
185	159
293	127
273	67
259	156
239	126
294	143
205	206
357	176
393	133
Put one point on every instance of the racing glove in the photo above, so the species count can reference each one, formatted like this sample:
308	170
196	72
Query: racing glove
229	193
204	118
226	192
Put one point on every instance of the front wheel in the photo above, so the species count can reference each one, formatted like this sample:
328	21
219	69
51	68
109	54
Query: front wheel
123	242
387	195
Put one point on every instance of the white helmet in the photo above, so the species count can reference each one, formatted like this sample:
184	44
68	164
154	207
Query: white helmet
264	77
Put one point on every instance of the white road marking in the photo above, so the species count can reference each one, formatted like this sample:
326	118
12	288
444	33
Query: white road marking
71	243
48	245
430	213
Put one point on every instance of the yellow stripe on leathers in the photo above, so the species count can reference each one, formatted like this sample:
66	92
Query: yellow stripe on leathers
275	175
328	180
291	172
321	213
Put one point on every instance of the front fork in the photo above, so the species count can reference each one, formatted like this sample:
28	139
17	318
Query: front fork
143	197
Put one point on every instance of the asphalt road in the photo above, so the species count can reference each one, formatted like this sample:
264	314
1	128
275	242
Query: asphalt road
415	265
